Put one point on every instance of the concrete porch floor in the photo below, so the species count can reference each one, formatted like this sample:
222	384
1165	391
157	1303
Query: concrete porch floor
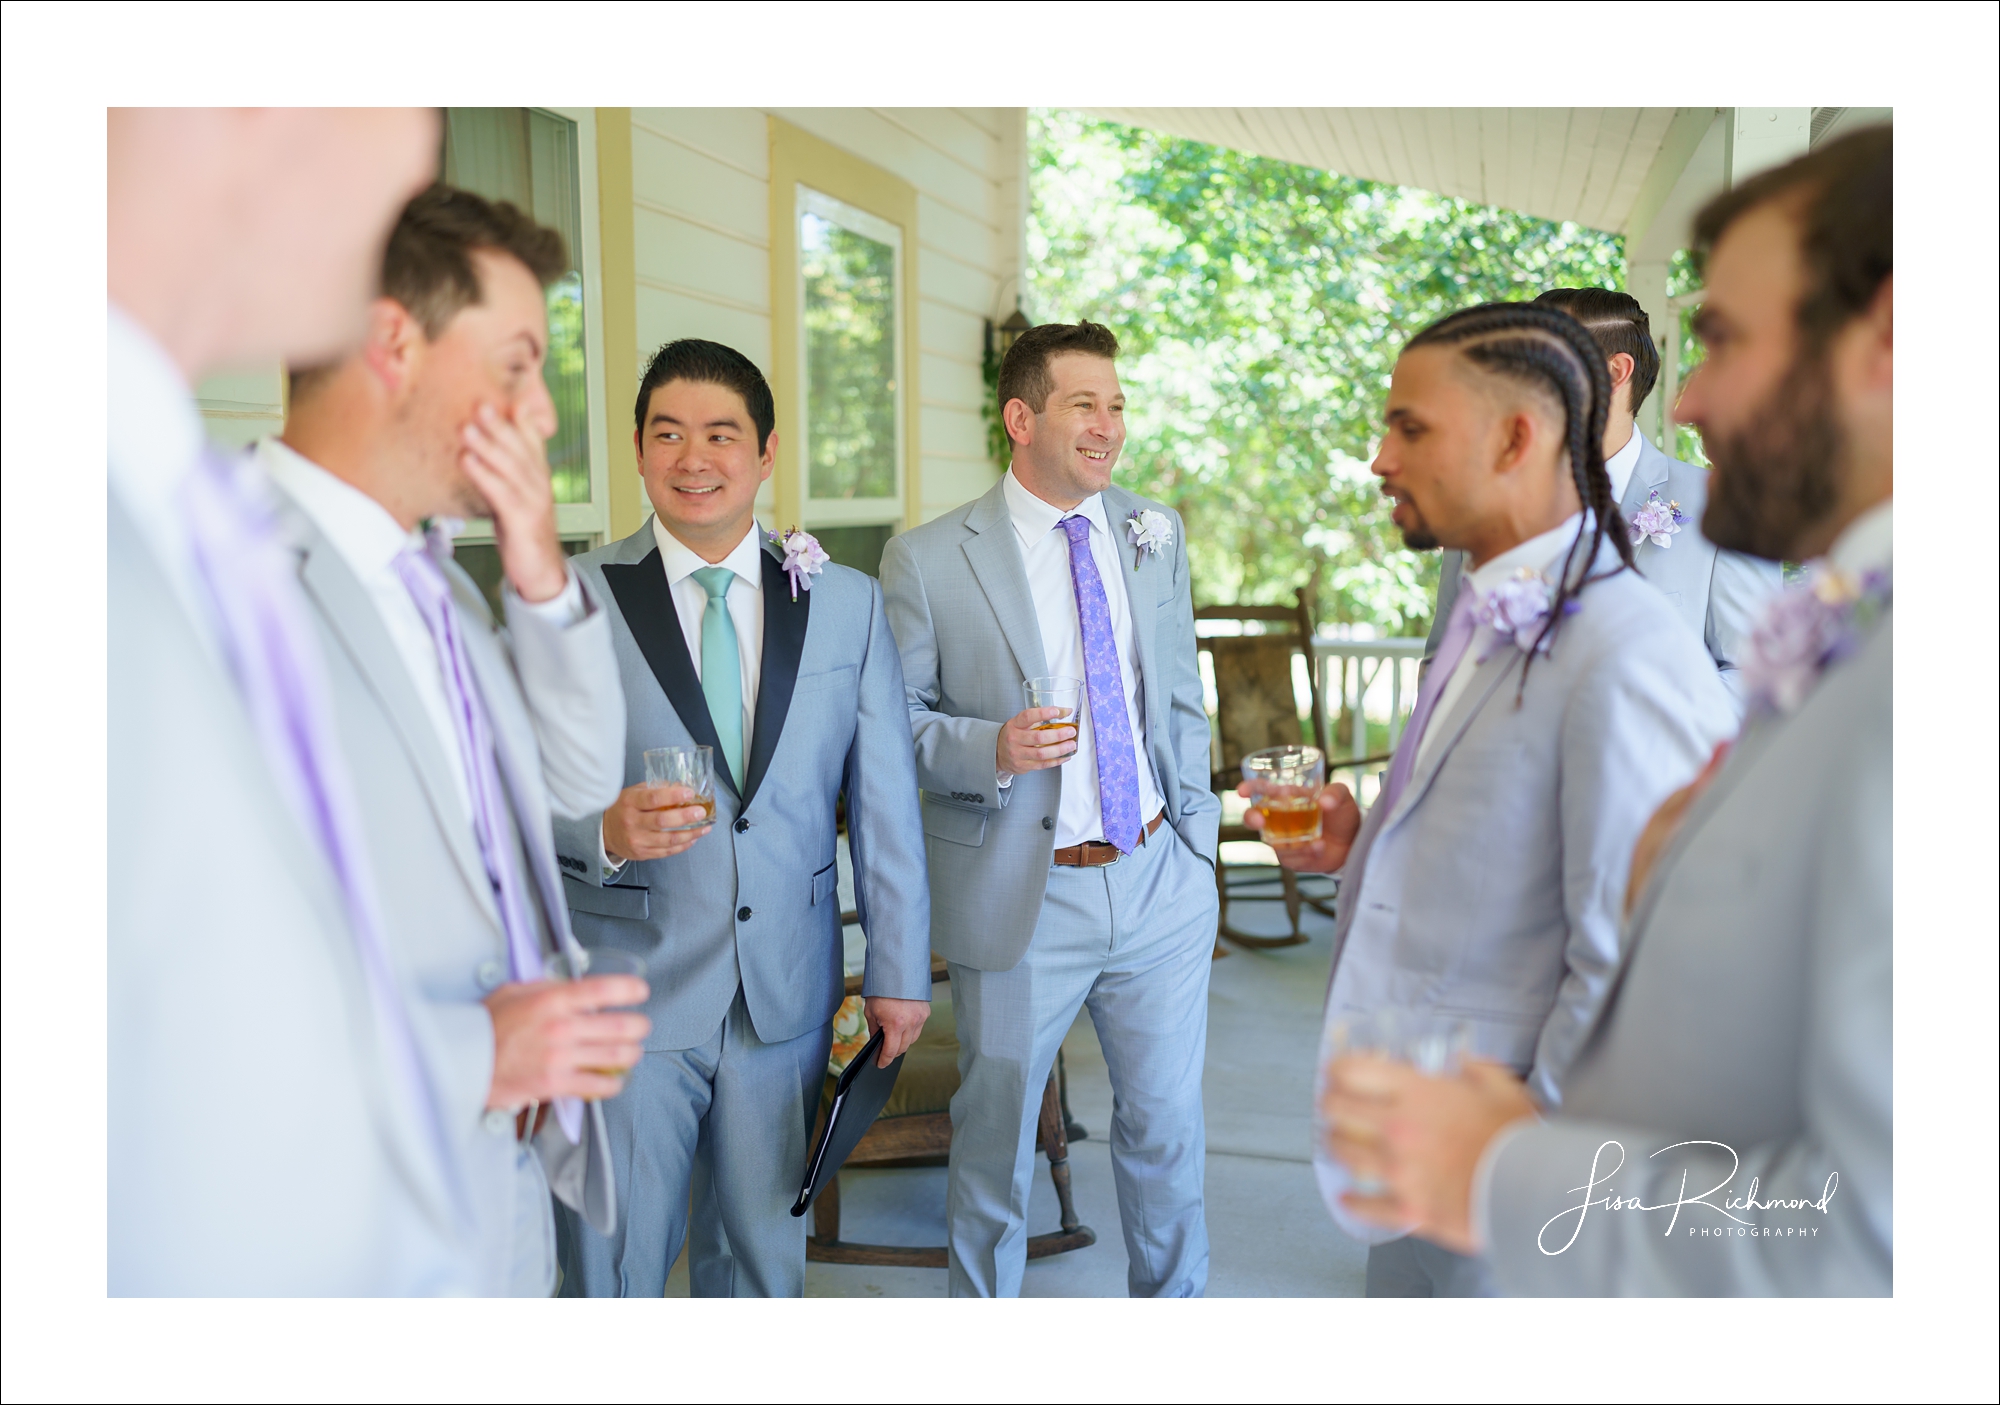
1269	1234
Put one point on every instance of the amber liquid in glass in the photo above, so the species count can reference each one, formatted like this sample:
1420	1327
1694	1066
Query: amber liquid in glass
1067	720
1289	819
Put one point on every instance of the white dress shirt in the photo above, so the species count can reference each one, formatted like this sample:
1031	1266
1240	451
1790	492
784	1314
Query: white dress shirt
1045	557
745	601
1543	553
155	440
369	540
1619	466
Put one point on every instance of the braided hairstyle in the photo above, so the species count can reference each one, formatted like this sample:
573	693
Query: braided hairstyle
1550	350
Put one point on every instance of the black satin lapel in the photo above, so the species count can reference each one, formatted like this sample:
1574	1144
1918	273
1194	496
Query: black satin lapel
640	589
784	642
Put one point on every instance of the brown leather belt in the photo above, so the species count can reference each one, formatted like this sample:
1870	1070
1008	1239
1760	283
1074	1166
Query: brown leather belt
1095	853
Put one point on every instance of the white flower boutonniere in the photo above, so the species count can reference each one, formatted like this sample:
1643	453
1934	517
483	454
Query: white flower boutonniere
1657	520
804	557
1150	530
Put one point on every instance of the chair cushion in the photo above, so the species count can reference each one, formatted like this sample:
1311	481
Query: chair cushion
930	1069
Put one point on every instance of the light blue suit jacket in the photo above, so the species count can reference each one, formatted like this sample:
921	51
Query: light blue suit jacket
1493	890
1753	1016
558	720
1717	594
753	905
965	621
260	1142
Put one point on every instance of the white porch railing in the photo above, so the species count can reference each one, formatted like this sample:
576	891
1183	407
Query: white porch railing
1364	677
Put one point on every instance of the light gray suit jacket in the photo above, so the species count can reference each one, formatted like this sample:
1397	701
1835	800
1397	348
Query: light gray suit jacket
754	905
1719	594
259	1141
965	622
1753	1010
1492	891
558	720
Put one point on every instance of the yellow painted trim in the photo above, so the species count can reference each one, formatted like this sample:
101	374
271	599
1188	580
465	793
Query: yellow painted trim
617	246
799	157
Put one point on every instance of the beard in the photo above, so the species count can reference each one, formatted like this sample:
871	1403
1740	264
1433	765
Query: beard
1417	538
1773	480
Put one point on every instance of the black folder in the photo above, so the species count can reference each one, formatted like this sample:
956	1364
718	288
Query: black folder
859	1096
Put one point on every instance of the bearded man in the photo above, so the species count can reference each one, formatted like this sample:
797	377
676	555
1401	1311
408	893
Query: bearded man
1726	1127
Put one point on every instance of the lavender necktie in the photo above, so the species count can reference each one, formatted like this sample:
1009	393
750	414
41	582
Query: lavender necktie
425	580
1110	725
249	577
1458	632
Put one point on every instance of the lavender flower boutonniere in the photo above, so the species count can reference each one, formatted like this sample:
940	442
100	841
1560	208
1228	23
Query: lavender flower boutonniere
804	557
1806	630
1657	520
1515	610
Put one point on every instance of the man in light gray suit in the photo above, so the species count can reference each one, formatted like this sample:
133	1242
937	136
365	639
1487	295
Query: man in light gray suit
268	1129
784	667
466	737
1566	702
1071	867
1726	1128
1718	593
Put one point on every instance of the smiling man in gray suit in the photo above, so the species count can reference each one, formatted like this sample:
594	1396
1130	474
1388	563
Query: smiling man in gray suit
791	679
1726	1127
467	736
1072	867
1483	889
1718	593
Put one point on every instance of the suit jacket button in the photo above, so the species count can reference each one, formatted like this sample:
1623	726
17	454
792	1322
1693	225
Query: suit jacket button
1048	823
979	797
742	826
742	914
489	975
498	1121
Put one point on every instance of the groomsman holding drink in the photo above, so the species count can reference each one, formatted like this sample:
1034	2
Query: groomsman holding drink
1071	867
467	737
779	665
1482	893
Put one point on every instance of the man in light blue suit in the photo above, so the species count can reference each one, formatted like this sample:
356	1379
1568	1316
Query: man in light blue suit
466	736
269	1130
1727	1127
785	668
1073	867
1719	594
1484	887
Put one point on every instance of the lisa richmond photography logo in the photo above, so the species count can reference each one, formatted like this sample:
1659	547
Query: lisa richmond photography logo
1597	1194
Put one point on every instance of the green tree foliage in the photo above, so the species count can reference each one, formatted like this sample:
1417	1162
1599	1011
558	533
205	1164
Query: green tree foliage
1261	306
850	310
563	372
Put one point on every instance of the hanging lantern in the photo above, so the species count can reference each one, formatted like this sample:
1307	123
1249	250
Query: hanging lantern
1000	340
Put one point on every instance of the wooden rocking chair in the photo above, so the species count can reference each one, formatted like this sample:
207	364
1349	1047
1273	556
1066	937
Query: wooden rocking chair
1257	707
915	1130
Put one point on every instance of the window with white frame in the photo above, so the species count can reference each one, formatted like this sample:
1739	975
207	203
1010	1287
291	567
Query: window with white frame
851	305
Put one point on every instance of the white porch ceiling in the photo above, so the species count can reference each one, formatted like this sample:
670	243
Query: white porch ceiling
1587	164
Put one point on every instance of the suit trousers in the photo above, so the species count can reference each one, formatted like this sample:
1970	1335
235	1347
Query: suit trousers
1416	1268
1132	942
726	1124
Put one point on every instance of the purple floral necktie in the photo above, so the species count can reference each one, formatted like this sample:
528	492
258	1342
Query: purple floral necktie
1104	680
249	577
425	580
1458	632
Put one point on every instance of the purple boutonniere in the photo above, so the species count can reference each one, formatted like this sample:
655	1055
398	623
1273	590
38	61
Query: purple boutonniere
804	557
1807	630
1658	520
1515	609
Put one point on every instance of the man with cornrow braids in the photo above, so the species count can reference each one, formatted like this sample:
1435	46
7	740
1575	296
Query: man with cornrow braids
1718	594
1482	892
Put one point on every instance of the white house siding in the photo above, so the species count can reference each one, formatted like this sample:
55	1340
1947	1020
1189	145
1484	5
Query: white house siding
701	197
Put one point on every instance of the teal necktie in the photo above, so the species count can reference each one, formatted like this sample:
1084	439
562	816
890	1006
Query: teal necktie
722	669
